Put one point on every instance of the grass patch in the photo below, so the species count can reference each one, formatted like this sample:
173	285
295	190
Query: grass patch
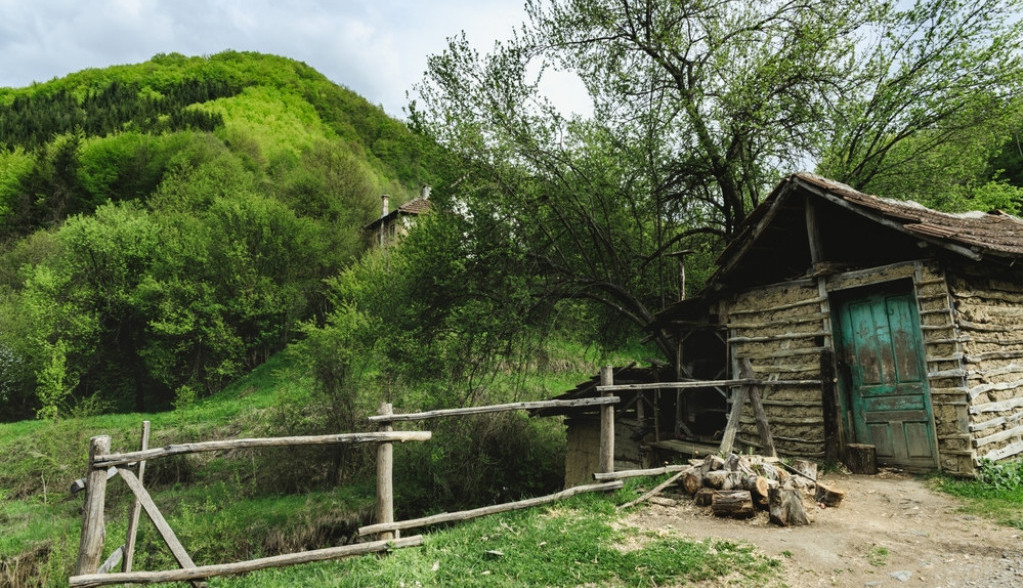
570	544
997	493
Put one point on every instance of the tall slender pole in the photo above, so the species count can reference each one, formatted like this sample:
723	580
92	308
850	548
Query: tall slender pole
90	547
136	509
607	425
385	487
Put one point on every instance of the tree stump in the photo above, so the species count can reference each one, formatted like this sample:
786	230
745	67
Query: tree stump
737	504
861	458
828	496
786	507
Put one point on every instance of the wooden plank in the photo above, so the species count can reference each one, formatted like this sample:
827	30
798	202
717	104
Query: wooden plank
160	523
656	489
1004	405
700	384
93	535
606	477
738	400
1007	451
999	436
488	510
448	412
808	318
806	335
183	448
789	306
89	581
996	422
982	388
136	509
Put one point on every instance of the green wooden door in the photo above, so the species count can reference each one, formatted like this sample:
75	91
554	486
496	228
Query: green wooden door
888	396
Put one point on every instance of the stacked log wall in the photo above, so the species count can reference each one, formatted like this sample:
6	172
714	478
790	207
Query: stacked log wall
989	308
782	330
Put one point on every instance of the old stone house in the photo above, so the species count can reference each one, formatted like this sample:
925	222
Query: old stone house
393	224
895	325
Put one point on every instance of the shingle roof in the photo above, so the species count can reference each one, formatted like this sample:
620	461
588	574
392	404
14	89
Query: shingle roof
994	233
416	206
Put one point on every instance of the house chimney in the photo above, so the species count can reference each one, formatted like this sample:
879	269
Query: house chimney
425	195
384	206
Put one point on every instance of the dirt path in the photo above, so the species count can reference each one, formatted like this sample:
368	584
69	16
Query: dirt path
891	530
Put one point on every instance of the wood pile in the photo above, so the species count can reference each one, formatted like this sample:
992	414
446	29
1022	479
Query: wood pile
738	486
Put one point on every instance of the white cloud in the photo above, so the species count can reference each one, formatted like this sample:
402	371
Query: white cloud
377	48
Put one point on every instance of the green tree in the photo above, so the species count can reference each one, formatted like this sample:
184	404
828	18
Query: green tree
699	108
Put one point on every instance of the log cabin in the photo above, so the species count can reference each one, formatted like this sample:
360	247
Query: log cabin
900	327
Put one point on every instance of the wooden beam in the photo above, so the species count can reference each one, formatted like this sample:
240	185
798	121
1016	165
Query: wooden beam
123	458
488	510
738	400
162	527
606	477
746	371
448	412
91	580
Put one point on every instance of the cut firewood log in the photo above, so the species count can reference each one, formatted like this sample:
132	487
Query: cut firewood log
861	458
692	481
711	463
723	480
703	497
737	463
786	507
828	496
759	488
737	504
806	472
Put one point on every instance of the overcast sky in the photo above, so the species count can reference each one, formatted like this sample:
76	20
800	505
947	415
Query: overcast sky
377	48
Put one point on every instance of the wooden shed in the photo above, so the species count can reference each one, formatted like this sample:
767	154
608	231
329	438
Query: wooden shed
911	319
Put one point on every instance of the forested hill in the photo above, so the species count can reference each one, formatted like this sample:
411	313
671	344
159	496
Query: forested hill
168	225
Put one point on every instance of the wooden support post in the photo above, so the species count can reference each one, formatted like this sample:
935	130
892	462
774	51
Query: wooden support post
90	547
746	373
385	488
136	509
738	400
607	425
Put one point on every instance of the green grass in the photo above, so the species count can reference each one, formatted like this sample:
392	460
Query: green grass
241	505
574	543
996	494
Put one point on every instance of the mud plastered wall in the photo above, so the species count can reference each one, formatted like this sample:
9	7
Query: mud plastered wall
989	312
781	330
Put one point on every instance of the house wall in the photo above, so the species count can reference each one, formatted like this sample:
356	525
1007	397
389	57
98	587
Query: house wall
989	305
782	330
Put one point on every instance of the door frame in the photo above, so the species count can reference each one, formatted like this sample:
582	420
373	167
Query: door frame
838	297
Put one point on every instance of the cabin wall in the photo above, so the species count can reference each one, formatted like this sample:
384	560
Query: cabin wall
782	330
990	318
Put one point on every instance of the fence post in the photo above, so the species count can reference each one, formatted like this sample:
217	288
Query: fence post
136	509
607	425
385	487
90	546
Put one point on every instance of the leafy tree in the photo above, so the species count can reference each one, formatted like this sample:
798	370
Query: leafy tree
699	108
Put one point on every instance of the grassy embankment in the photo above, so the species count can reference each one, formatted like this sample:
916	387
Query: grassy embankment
231	507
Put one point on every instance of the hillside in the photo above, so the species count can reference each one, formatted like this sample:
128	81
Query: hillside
167	226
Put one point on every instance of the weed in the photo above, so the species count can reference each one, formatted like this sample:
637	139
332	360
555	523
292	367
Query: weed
877	556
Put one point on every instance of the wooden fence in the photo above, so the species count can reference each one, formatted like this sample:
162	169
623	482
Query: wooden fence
104	465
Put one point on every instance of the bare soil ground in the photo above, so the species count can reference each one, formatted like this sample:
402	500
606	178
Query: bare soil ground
891	530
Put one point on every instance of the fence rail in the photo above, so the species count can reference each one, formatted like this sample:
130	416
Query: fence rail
103	465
